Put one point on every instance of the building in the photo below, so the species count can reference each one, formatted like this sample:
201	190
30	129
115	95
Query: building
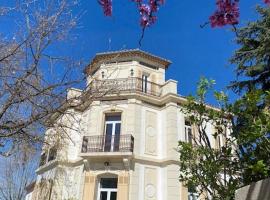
123	143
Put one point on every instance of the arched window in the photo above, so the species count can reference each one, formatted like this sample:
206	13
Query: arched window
107	188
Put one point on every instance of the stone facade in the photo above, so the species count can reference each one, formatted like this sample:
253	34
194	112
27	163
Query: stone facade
146	166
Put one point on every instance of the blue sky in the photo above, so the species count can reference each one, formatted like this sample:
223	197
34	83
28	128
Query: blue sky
177	36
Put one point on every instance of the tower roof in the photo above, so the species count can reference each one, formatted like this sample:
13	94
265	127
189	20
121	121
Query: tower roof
125	55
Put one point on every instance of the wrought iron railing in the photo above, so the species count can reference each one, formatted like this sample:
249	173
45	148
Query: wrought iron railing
108	143
132	84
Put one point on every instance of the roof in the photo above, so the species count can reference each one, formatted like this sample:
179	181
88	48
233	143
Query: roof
135	54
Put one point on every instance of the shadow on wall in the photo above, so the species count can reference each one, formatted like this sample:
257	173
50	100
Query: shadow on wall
256	191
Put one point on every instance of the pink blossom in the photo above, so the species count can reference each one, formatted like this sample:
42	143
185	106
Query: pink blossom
107	7
227	13
147	11
267	2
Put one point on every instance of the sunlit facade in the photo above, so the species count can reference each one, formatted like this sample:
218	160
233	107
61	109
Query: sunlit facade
123	144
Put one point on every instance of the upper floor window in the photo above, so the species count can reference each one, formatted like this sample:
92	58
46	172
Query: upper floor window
112	132
48	156
188	132
132	72
102	74
145	83
220	137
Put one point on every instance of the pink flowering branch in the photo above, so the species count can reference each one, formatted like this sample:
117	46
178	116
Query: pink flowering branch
147	11
267	2
227	12
107	7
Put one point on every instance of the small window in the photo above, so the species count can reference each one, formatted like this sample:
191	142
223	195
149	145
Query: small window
102	74
52	154
188	132
145	83
48	156
132	72
43	159
218	141
219	137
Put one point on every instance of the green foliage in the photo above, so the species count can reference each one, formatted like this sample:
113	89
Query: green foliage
253	57
245	155
209	170
252	131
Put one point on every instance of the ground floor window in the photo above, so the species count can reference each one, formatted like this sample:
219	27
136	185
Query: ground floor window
107	189
192	195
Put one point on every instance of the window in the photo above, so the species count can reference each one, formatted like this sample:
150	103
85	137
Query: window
188	132
112	132
48	156
52	154
102	74
43	159
144	83
219	137
132	72
192	195
107	189
218	141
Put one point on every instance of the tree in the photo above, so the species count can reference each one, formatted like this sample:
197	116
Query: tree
17	171
244	158
252	59
251	127
212	172
33	77
227	11
251	130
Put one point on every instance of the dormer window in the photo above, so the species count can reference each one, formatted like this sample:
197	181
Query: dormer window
102	74
132	72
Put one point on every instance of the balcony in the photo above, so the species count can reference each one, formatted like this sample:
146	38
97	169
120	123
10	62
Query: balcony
132	85
107	146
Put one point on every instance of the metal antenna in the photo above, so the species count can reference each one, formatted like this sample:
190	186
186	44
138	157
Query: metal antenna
110	42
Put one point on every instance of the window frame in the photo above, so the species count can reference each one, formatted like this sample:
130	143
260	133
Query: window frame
47	154
107	190
188	134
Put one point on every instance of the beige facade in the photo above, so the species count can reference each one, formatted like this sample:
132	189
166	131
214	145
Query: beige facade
125	143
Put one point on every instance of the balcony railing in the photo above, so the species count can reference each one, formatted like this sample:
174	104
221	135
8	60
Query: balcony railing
111	86
108	143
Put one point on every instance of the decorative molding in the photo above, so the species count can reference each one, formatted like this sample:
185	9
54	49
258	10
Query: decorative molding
150	191
126	163
86	164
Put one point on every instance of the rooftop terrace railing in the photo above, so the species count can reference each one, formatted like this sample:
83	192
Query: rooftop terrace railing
112	86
